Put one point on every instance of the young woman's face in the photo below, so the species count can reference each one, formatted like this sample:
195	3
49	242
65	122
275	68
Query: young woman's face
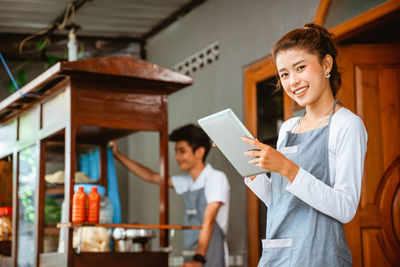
303	76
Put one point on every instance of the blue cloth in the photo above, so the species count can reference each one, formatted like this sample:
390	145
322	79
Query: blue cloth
112	184
90	165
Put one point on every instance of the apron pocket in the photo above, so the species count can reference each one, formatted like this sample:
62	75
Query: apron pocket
276	252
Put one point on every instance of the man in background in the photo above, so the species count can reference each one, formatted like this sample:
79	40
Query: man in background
206	193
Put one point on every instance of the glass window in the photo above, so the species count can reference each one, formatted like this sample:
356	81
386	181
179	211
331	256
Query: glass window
27	180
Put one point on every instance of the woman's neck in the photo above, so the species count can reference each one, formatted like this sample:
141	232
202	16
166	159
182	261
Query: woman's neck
320	108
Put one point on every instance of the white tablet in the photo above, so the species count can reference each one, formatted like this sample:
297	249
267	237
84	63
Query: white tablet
225	130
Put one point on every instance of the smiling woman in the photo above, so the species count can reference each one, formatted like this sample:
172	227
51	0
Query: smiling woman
316	171
300	70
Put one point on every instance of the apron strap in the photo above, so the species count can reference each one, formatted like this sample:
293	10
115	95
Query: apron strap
304	113
333	109
297	123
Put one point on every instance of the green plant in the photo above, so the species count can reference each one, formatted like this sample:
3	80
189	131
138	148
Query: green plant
20	79
45	57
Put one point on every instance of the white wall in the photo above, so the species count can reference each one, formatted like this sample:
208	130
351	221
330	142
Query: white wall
246	31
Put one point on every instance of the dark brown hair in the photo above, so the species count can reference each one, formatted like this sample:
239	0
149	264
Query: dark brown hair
194	135
316	40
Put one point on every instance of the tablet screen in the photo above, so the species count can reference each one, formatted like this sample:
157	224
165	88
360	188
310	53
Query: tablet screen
225	130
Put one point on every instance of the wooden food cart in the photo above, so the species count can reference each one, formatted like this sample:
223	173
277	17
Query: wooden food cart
69	106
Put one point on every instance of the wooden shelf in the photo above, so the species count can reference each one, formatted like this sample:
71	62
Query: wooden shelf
115	259
51	231
139	226
55	191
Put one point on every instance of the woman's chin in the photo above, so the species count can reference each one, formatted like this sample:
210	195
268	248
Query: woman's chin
301	102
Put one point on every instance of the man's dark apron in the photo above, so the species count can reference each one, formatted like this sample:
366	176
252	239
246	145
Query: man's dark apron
195	204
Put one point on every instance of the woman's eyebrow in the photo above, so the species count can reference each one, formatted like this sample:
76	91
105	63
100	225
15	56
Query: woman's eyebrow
296	63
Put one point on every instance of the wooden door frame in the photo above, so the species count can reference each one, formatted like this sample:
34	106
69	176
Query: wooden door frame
252	75
265	69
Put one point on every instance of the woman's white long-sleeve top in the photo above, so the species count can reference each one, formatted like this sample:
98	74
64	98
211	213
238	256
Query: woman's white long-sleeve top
347	147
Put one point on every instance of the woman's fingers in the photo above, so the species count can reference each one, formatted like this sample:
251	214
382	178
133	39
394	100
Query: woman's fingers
254	161
253	152
254	142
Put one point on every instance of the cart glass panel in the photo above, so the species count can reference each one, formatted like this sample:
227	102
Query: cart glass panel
27	180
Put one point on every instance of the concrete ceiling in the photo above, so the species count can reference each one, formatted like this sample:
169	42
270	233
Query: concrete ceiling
136	19
121	22
106	28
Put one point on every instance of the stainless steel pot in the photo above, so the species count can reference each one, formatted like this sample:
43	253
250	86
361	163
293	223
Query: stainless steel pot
129	240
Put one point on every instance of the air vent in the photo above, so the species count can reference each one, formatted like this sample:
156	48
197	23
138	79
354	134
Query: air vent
199	60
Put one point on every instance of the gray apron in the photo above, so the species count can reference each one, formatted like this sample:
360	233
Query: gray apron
195	204
301	235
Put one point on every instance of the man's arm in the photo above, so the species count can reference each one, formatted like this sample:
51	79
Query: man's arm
207	227
138	169
206	231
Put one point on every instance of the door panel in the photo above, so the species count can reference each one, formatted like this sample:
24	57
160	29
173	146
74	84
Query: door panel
371	78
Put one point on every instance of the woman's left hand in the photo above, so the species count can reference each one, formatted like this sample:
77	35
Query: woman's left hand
270	159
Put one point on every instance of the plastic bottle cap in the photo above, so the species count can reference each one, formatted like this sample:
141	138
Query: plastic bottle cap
94	189
5	211
87	188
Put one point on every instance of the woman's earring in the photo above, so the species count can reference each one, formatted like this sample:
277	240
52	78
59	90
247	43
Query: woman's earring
327	75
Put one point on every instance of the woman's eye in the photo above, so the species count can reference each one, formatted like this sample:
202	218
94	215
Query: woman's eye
283	75
300	68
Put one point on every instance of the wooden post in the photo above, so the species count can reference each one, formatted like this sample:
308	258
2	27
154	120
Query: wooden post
103	166
40	199
70	167
164	173
15	207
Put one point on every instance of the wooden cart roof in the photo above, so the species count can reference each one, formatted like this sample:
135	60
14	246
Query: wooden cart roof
135	73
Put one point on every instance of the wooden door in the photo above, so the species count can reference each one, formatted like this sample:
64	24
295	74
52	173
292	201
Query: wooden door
371	88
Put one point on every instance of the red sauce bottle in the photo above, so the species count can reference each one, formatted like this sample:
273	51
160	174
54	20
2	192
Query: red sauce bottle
79	206
93	206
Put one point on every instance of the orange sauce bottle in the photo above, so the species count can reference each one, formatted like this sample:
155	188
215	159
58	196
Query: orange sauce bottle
79	206
93	206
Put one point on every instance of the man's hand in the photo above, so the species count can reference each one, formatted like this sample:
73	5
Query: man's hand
114	146
191	264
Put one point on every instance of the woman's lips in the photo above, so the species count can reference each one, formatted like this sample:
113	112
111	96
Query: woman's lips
301	91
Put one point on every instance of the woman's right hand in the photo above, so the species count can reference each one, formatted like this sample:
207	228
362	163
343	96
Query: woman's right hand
270	159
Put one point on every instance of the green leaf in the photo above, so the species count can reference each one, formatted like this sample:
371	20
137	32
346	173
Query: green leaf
81	50
42	45
20	80
11	87
52	59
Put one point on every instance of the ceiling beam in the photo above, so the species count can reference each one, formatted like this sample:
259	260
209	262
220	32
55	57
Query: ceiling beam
10	42
172	18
